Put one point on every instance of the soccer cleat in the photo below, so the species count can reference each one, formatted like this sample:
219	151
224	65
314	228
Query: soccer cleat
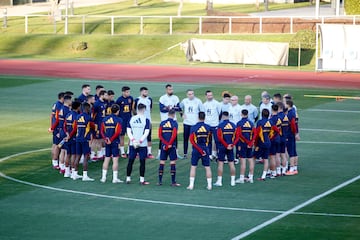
249	180
218	184
76	176
159	184
62	171
124	155
67	175
144	183
296	172
290	173
261	179
239	180
190	187
87	179
103	180
175	184
150	156
56	167
272	176
116	180
232	183
184	157
209	187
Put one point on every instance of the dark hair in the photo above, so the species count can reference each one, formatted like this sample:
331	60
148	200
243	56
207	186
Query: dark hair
111	92
290	103
226	95
168	85
265	113
75	105
277	95
67	97
201	115
69	93
207	91
99	86
115	108
89	96
244	112
171	112
125	88
280	105
141	106
86	107
225	114
275	107
85	86
143	88
61	95
102	93
189	90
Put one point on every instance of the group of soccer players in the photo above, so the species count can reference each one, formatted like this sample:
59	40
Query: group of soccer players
94	127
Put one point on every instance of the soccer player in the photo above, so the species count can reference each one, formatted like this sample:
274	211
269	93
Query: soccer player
70	144
86	89
262	141
138	129
148	102
99	113
125	101
277	98
98	89
167	134
275	142
251	108
234	110
244	132
265	104
110	101
212	111
190	106
226	133
292	137
54	127
199	138
83	126
61	129
168	102
110	132
225	103
283	137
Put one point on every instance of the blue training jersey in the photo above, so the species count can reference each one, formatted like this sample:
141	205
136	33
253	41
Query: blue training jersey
226	133
126	104
167	132
84	126
111	128
245	130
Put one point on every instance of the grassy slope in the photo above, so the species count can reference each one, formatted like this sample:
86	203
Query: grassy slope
125	47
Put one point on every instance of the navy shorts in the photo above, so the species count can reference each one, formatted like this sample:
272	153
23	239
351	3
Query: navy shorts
142	151
242	151
82	148
70	146
195	156
56	139
261	152
222	152
291	146
282	147
112	150
170	153
124	126
274	148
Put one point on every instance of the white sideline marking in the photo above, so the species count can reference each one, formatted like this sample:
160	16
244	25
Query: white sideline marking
329	110
328	130
294	209
337	143
23	153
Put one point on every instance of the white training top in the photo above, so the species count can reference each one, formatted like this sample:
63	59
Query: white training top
224	107
168	101
252	111
191	109
147	101
138	128
265	106
212	112
235	113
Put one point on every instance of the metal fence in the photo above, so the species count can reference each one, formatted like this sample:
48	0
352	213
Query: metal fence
114	25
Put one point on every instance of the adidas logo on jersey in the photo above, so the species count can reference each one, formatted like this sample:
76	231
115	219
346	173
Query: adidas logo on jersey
201	129
247	125
286	119
167	124
81	119
110	121
228	126
69	117
267	124
138	120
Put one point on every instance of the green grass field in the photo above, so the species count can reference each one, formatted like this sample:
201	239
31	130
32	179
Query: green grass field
38	203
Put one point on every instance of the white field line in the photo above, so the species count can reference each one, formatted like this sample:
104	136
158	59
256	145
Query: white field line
331	110
328	130
294	209
330	143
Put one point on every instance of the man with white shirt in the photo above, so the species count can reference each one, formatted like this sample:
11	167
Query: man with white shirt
234	110
147	101
251	108
138	130
212	111
168	102
190	107
265	104
225	104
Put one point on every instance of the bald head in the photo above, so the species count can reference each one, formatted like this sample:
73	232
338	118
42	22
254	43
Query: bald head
247	99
